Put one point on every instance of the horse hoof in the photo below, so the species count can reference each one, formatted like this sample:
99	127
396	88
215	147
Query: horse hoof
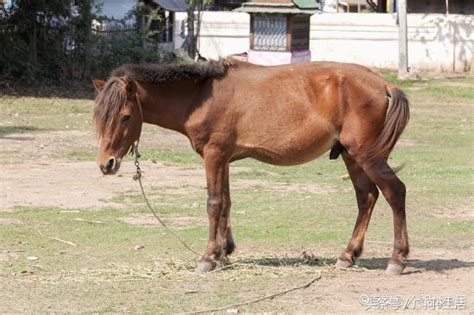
341	264
224	261
394	269
205	266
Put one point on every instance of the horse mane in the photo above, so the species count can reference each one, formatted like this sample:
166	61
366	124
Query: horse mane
159	73
112	98
108	103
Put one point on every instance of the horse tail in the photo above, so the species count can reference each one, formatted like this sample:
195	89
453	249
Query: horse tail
398	115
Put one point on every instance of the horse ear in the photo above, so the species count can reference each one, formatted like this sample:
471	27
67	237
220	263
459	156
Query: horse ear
98	84
131	89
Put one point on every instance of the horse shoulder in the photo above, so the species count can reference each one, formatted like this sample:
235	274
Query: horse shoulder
210	124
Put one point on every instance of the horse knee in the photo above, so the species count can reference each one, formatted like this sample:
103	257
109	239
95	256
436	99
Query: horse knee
214	205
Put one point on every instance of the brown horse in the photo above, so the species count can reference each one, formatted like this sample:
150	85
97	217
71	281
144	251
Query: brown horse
283	115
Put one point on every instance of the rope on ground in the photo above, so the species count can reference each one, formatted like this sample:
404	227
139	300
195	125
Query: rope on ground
57	239
138	177
176	236
266	297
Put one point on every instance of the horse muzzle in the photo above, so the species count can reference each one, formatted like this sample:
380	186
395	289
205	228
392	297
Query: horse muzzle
110	167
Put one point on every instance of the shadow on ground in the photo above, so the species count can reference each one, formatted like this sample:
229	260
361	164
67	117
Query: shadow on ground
428	265
368	263
288	261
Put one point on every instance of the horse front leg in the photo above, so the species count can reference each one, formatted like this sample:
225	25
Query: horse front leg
215	165
225	239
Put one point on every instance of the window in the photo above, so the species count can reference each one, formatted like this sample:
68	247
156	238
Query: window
269	32
300	32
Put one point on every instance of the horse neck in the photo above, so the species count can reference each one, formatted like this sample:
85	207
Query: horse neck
168	104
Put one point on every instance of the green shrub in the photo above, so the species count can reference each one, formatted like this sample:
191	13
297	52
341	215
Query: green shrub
36	50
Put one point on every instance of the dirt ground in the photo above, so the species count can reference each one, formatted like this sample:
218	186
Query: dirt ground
29	177
19	186
433	276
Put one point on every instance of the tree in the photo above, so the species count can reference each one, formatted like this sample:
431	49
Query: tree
53	41
34	32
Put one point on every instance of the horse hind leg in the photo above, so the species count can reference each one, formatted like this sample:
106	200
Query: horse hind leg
394	192
369	139
366	194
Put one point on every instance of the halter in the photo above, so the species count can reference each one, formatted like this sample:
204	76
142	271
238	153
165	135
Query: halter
134	150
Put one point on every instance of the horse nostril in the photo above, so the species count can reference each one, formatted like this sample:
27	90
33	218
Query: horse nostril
110	164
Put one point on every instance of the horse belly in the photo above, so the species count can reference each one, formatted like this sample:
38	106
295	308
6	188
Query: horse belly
290	148
289	129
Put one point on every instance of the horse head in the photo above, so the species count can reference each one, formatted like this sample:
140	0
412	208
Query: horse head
118	119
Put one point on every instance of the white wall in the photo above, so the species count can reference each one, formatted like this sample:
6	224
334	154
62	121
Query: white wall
222	33
436	42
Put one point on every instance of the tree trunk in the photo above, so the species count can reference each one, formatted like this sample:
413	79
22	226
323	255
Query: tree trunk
191	32
402	40
34	45
86	24
472	64
381	6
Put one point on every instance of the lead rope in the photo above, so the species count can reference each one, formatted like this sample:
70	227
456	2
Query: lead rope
138	177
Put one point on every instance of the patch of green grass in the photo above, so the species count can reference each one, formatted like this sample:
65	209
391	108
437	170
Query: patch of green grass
171	156
80	155
98	243
449	91
5	130
392	77
320	171
35	105
168	156
435	88
46	113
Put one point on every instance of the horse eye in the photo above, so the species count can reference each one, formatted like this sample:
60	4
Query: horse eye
125	118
